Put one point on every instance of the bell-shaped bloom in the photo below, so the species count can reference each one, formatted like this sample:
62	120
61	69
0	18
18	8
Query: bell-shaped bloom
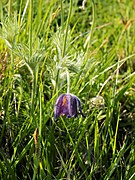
69	105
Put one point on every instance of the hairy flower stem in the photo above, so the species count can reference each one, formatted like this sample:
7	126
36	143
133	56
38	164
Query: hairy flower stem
68	81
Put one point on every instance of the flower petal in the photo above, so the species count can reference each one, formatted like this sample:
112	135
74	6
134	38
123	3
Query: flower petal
79	106
67	104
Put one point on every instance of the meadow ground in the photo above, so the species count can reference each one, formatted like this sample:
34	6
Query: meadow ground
52	47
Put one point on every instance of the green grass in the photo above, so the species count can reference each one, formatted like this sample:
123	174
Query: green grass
51	47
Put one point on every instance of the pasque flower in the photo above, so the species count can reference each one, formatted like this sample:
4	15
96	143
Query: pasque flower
67	104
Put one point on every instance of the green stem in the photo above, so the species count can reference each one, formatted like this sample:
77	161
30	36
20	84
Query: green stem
40	124
57	81
67	24
35	166
9	8
62	15
68	81
92	26
30	30
64	45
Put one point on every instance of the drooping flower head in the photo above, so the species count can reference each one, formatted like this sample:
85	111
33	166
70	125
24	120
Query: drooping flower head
67	104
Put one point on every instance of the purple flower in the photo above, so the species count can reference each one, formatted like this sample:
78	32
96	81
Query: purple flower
67	104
